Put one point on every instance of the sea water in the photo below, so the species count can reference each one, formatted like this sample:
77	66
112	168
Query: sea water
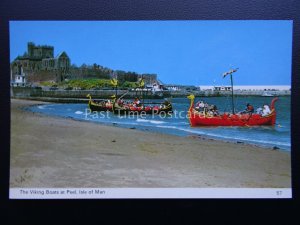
177	123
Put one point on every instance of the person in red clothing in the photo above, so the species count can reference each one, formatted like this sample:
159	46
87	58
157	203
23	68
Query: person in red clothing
136	102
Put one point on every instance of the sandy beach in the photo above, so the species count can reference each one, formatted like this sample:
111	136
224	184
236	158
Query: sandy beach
56	152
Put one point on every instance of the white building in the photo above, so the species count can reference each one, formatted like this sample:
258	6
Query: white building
173	88
247	87
19	79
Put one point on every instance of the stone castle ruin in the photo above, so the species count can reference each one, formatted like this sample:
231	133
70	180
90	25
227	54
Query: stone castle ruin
39	64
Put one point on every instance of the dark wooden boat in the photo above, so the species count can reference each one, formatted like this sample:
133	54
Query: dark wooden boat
164	108
119	107
229	119
105	105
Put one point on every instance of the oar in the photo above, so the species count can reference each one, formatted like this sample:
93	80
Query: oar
123	95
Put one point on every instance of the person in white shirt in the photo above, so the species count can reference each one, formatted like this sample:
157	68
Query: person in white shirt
200	106
266	110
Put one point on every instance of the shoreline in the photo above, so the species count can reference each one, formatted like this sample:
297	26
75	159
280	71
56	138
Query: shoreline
193	136
43	145
144	128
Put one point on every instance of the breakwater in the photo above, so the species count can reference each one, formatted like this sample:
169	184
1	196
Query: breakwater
79	96
38	93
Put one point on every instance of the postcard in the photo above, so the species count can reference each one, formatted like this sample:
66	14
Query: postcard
150	109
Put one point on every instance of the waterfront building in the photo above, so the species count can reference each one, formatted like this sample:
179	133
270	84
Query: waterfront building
18	80
222	88
175	87
249	89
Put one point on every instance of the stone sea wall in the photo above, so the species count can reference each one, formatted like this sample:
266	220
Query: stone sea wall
37	93
80	95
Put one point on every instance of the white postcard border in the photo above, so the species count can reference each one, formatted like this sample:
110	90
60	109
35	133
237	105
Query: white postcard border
148	193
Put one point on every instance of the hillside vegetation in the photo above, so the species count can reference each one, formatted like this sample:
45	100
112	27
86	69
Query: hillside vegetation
87	84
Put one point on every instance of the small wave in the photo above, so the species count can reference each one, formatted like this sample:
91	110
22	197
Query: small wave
125	123
170	127
150	121
78	112
141	120
183	122
41	106
191	131
156	122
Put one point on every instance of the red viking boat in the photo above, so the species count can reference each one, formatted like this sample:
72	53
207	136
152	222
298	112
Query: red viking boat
118	108
229	119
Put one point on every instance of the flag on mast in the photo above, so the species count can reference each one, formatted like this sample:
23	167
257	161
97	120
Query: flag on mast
229	72
141	83
114	82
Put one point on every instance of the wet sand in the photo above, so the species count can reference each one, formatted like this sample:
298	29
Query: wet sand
56	152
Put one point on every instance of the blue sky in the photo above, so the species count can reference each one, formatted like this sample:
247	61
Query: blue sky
180	52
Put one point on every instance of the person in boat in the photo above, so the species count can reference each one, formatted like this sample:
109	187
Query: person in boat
214	109
136	102
167	103
259	110
164	105
206	108
120	102
199	106
266	110
108	103
249	109
126	104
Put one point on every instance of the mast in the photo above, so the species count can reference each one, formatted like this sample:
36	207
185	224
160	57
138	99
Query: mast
231	80
114	83
143	85
116	86
232	102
